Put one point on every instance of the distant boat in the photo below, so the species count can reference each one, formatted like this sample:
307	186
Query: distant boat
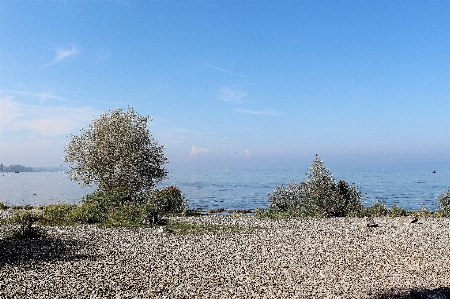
434	171
16	172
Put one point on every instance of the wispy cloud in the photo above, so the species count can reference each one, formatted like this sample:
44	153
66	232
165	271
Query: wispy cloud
224	70
266	112
231	95
42	96
9	111
64	53
195	151
44	121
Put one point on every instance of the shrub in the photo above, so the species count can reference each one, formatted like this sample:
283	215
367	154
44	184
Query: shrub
396	211
319	196
289	197
88	213
444	201
378	209
168	200
111	198
25	220
58	214
116	207
132	215
3	206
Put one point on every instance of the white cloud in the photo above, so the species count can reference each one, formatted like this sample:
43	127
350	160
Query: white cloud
247	153
9	111
44	121
195	151
231	96
266	112
47	127
63	53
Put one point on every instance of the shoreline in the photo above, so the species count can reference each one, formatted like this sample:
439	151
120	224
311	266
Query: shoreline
289	258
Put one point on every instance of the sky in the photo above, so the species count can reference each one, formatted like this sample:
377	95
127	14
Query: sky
232	84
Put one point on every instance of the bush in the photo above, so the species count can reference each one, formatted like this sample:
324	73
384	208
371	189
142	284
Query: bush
96	207
444	201
319	196
25	220
168	200
111	198
3	206
132	215
88	213
118	207
288	197
396	211
58	214
378	209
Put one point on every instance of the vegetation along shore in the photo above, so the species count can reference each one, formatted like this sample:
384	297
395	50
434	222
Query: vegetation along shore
129	239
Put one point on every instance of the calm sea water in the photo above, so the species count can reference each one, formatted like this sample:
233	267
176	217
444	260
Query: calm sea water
236	189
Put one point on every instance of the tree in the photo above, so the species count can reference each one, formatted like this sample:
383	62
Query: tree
116	151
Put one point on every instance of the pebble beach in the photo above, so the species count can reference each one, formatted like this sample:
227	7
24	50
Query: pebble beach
295	258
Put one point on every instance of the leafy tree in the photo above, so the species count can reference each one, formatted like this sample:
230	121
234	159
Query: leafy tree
116	151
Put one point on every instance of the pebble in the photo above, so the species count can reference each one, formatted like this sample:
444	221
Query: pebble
297	258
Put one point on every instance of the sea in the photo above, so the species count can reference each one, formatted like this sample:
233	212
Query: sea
237	190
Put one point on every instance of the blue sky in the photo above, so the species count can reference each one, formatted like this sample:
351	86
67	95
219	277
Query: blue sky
233	84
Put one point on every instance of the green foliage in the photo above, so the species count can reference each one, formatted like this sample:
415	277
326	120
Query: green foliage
111	198
116	150
116	207
396	211
132	215
444	201
289	197
88	213
320	196
3	206
168	200
422	213
378	209
26	220
59	214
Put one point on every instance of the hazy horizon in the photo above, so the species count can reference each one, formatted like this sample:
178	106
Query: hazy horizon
233	84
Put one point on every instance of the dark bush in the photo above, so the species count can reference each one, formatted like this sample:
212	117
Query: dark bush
320	195
26	221
378	209
289	197
444	201
87	213
168	200
111	198
3	206
397	211
58	214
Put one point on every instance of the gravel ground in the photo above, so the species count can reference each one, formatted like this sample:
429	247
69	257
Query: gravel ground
306	258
